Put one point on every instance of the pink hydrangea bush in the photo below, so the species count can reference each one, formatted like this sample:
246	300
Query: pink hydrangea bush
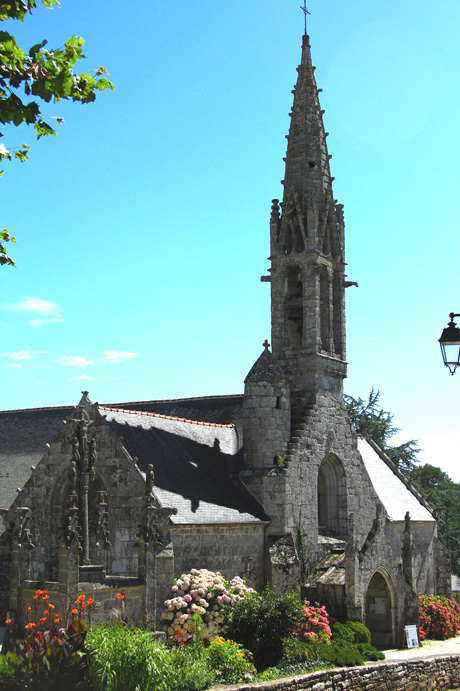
315	625
205	593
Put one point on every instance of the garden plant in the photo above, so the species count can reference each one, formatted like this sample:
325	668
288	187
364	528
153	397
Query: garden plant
251	637
439	617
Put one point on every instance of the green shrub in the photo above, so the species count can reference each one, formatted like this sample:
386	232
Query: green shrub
343	633
337	655
229	661
356	636
125	659
369	652
261	622
351	632
296	651
361	632
188	669
6	672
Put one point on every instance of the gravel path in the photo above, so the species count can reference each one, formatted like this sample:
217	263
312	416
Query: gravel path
427	649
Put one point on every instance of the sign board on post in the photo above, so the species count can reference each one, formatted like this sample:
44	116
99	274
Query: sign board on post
411	636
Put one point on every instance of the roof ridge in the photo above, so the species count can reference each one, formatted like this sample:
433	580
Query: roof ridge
174	400
46	407
164	417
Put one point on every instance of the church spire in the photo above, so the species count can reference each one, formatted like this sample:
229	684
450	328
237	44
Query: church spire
307	251
307	161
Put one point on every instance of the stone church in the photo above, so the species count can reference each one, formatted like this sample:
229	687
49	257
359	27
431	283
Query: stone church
97	499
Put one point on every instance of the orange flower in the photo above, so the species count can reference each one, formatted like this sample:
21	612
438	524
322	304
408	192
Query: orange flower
46	612
80	599
42	621
50	606
121	596
74	611
46	597
30	626
29	608
8	621
57	620
89	602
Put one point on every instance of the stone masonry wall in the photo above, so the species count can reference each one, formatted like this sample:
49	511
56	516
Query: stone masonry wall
428	674
106	604
219	548
325	430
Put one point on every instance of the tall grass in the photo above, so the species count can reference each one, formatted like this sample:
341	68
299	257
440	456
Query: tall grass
126	659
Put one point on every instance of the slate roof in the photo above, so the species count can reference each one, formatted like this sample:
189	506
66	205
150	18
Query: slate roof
219	409
191	461
23	435
394	491
193	445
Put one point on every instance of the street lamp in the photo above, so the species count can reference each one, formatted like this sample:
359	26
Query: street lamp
450	344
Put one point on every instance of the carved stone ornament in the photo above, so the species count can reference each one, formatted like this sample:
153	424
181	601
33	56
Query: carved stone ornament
23	532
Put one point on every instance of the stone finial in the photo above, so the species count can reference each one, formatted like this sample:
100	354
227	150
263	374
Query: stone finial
149	479
407	522
266	345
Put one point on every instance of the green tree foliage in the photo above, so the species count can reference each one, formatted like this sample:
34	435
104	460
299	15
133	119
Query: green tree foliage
443	495
28	78
368	419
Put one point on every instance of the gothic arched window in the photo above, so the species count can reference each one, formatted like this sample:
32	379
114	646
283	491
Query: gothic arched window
332	498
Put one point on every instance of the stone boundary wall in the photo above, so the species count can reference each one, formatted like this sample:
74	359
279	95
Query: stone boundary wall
106	603
422	674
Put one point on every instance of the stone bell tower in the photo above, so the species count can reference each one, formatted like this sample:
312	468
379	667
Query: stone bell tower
293	400
307	256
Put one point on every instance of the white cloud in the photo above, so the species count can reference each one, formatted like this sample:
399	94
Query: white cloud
40	322
75	361
19	355
33	305
14	364
82	376
110	357
114	356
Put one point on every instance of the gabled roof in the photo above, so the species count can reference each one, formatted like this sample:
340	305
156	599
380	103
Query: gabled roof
191	461
192	458
392	488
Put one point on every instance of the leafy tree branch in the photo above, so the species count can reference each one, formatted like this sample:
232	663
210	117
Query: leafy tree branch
39	75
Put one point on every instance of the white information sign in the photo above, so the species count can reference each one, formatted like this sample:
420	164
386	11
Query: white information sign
411	636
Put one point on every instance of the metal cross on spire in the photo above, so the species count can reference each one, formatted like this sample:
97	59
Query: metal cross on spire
305	11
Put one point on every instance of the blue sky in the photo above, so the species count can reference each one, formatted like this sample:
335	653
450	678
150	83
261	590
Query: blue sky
142	228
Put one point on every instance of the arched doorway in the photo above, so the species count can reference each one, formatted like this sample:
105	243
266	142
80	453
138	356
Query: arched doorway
332	498
380	608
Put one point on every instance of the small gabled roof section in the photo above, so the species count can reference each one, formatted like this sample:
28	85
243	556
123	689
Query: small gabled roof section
265	369
393	489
